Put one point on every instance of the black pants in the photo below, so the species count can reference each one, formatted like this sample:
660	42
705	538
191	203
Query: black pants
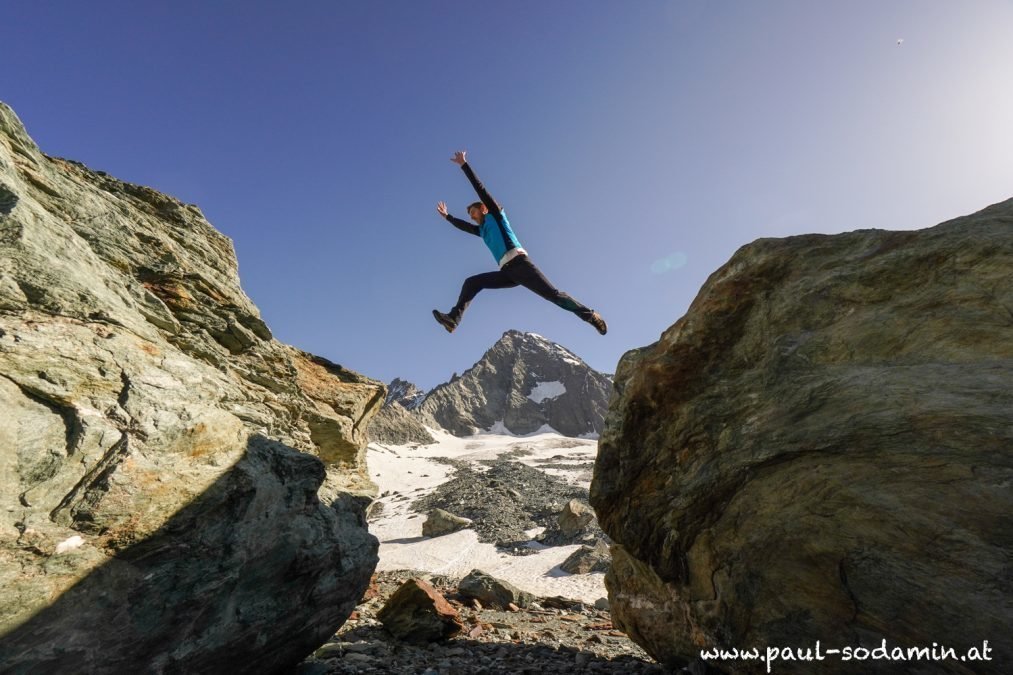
518	272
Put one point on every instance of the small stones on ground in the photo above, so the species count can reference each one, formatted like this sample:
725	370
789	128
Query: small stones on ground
576	638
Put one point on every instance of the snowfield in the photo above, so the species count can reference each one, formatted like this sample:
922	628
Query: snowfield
547	390
405	473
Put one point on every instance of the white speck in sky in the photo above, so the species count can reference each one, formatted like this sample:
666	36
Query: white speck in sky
900	41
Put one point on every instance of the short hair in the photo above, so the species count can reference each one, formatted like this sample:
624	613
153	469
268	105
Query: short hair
475	205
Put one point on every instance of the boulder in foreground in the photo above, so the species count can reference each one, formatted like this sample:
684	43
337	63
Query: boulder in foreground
820	449
416	612
180	492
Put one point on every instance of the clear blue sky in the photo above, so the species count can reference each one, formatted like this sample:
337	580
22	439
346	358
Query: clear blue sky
635	145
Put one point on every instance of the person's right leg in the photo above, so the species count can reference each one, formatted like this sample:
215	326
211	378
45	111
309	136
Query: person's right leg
472	286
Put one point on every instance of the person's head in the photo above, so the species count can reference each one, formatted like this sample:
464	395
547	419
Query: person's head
477	212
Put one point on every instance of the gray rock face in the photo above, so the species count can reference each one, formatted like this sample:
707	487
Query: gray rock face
179	491
820	449
404	393
524	382
396	426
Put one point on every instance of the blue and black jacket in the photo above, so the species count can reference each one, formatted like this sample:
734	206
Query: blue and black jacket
495	229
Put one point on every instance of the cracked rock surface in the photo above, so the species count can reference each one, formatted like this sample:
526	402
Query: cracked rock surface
820	449
179	490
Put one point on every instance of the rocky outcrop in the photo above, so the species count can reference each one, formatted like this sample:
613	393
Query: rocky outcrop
522	383
180	491
404	393
396	426
820	449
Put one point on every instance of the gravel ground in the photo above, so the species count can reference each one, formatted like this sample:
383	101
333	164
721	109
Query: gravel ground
574	638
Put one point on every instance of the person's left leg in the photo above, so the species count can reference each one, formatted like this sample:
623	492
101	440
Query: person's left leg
473	285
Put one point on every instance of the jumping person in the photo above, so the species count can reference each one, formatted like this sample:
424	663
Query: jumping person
515	268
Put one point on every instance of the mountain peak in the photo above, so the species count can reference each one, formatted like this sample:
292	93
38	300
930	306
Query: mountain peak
522	383
515	340
405	393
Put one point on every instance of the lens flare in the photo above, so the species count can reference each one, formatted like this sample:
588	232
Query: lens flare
669	263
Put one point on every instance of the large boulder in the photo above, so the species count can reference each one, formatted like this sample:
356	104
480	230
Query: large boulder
180	492
820	449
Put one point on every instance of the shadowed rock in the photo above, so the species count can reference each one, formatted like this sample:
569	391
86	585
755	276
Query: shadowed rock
179	491
418	613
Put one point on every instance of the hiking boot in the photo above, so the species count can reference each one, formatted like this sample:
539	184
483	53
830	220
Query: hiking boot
445	320
598	323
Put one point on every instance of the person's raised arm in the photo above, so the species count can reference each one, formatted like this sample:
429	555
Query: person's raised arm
462	225
483	194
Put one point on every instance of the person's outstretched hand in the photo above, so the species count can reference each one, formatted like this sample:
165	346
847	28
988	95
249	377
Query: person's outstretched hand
459	158
441	208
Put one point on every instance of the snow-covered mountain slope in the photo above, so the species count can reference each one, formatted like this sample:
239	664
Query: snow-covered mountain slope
523	383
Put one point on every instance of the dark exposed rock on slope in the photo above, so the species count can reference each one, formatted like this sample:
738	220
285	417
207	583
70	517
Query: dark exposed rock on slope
395	425
821	449
524	381
404	393
180	492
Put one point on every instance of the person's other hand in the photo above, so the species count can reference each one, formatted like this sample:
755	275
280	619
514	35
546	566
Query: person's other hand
441	208
459	158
